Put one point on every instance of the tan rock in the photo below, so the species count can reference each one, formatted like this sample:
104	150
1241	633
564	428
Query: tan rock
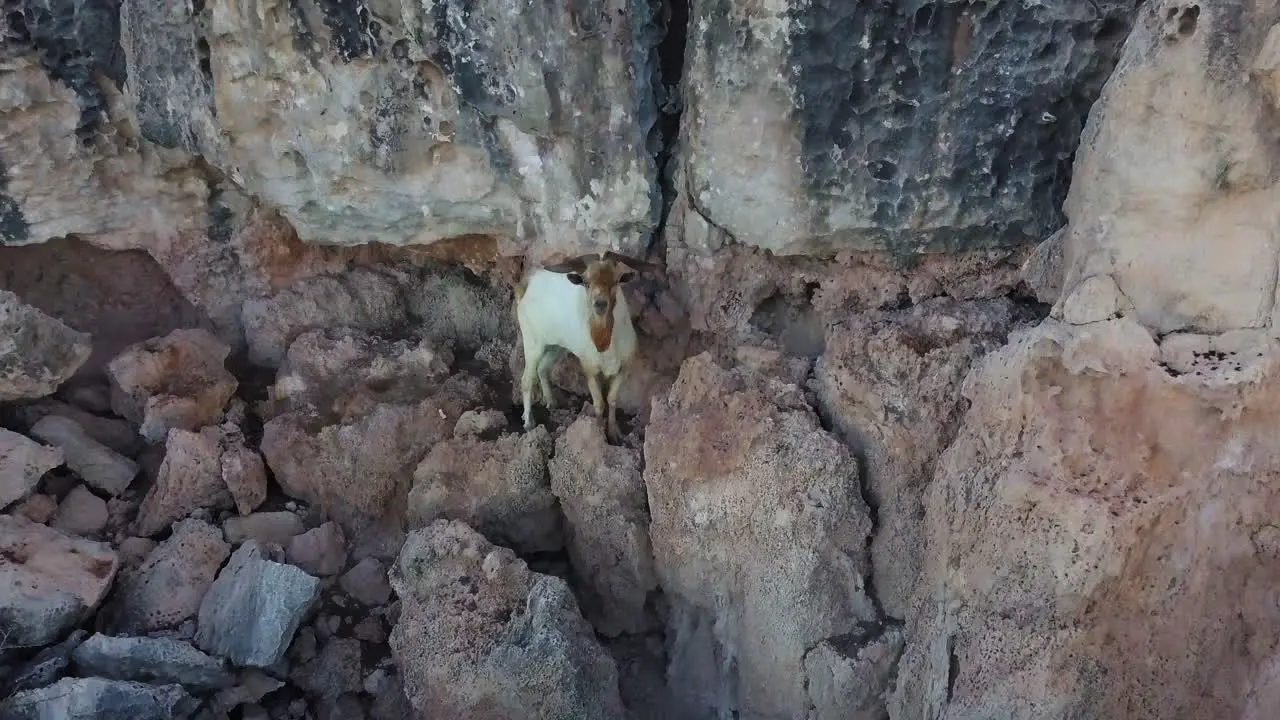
37	508
190	478
177	381
49	581
890	384
498	487
37	352
738	469
1095	532
602	494
481	636
245	475
166	589
22	463
81	513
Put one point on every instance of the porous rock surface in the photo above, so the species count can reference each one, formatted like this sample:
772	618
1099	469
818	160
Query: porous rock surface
22	462
738	469
480	635
102	700
190	477
37	352
166	588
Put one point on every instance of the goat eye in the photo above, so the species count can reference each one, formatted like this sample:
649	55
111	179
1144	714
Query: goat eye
627	277
575	278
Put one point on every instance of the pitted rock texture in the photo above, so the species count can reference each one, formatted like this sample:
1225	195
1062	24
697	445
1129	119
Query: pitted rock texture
189	478
1179	154
481	636
825	125
1105	543
50	580
165	590
889	382
738	469
37	352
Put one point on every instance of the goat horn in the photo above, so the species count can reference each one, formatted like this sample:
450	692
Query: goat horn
635	263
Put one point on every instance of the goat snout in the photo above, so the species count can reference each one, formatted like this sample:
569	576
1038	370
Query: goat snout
601	305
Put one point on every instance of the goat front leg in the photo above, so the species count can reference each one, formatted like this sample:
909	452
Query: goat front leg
597	395
544	379
532	357
611	429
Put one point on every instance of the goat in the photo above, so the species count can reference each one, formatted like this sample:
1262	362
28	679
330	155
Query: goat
578	305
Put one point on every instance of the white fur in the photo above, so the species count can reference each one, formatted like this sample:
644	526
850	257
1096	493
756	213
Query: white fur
556	312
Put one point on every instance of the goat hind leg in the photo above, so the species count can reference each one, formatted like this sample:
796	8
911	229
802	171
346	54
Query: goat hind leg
531	360
544	379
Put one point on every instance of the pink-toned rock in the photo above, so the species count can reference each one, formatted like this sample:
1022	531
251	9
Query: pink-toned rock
320	551
49	580
601	492
190	478
245	476
134	550
177	381
268	528
479	422
81	513
37	508
367	582
499	487
23	462
166	589
759	536
1100	526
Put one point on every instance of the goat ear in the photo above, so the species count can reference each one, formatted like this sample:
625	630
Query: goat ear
627	276
574	278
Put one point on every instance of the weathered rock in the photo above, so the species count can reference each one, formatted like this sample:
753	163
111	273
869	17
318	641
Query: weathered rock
115	433
499	487
101	700
601	492
134	550
1103	496
890	385
39	508
253	609
49	580
481	636
268	528
738	469
37	352
367	582
357	467
319	551
166	589
335	671
97	464
176	381
245	475
1178	155
479	422
22	463
798	141
847	677
159	661
46	667
190	478
81	513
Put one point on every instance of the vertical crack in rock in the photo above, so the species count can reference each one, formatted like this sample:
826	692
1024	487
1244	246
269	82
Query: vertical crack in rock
668	96
14	228
76	40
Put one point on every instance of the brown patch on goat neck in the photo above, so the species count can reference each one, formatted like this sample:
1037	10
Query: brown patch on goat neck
602	331
602	280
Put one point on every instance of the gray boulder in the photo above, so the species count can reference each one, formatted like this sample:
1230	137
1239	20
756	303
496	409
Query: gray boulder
254	607
37	352
74	698
151	660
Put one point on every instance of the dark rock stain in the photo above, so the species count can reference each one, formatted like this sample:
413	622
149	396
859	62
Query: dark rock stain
956	121
354	31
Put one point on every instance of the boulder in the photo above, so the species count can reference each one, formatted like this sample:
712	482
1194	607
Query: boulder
115	433
738	469
602	494
499	487
367	582
254	607
319	551
889	383
797	141
101	700
95	463
49	581
37	352
158	661
176	381
81	513
1103	499
849	676
268	528
22	463
47	667
189	478
245	475
481	636
336	670
166	589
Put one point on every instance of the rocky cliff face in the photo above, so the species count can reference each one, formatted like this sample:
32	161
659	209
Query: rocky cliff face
954	398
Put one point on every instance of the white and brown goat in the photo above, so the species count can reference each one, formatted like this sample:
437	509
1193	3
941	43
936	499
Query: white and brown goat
578	305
